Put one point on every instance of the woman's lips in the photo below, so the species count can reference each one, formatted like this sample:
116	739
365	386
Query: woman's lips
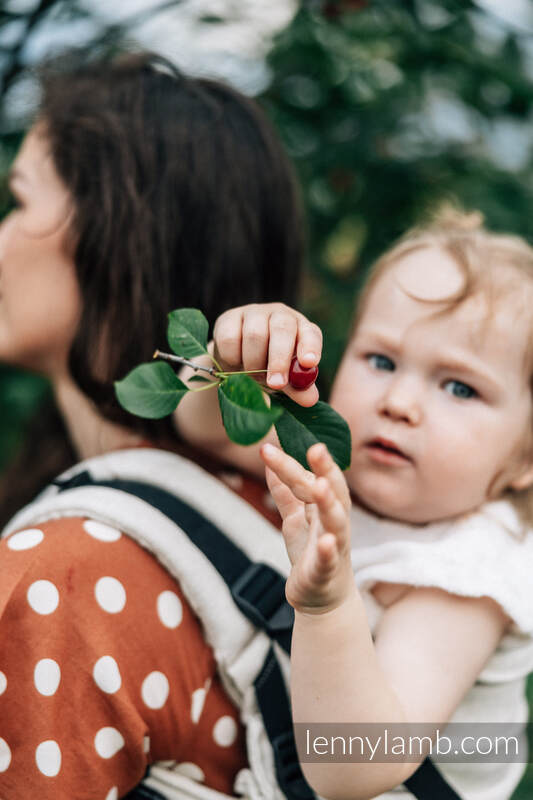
384	451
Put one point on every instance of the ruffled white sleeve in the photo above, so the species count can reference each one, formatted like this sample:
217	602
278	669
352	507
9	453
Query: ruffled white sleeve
482	554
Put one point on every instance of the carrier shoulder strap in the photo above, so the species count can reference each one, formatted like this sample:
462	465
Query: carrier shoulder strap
259	592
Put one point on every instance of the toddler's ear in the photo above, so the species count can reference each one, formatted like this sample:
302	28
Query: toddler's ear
523	480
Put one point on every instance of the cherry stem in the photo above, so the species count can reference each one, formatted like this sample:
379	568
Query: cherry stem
216	373
242	372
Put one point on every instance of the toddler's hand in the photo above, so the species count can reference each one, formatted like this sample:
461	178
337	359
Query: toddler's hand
315	509
266	337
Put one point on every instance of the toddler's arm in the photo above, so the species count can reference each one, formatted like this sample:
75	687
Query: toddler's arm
430	645
252	337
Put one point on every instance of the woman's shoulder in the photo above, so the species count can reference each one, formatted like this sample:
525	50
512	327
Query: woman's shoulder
78	560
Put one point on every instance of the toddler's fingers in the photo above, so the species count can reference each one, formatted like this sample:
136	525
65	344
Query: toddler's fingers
283	328
323	465
332	513
284	499
299	480
306	398
255	331
327	553
309	347
321	563
227	335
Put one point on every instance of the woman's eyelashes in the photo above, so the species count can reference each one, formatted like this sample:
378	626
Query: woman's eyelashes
452	386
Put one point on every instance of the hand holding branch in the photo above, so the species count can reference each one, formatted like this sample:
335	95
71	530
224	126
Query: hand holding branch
265	338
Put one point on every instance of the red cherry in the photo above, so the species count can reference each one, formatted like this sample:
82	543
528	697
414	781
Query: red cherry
301	377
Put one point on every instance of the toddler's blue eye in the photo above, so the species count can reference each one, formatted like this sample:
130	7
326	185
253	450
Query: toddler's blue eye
459	389
379	361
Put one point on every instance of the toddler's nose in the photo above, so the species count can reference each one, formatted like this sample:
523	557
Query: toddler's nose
401	401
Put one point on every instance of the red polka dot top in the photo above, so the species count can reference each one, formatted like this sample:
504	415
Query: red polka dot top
104	669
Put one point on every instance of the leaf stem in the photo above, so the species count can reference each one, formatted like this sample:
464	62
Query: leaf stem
203	388
215	362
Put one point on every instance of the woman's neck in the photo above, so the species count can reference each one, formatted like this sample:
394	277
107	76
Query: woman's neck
90	433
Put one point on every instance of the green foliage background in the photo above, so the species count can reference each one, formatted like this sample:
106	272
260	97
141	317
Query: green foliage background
387	108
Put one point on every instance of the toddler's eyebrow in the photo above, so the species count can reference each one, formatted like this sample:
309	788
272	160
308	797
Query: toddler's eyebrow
379	339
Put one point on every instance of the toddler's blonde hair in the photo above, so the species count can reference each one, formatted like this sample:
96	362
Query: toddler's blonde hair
494	263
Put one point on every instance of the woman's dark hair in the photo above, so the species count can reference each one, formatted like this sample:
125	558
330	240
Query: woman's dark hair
183	197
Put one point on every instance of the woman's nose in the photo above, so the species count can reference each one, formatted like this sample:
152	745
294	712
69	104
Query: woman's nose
402	401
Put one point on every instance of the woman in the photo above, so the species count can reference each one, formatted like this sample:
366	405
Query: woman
136	191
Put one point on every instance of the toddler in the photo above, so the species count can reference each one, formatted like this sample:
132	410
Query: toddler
415	605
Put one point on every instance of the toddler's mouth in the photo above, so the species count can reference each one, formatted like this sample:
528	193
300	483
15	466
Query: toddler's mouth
386	450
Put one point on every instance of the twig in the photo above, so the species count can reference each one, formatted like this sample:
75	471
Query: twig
185	362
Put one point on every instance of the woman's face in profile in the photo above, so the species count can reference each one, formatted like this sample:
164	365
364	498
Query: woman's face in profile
39	295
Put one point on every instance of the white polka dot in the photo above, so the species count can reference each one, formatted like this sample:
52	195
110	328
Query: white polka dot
233	480
146	744
169	609
5	755
23	540
107	742
110	595
46	676
107	675
43	597
48	758
98	530
190	770
112	794
197	704
154	690
225	731
3	683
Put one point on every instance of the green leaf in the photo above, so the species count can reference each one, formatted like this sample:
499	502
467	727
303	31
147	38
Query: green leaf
299	428
245	415
198	379
150	390
187	332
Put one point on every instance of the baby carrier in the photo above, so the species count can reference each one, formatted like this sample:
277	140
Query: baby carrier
231	565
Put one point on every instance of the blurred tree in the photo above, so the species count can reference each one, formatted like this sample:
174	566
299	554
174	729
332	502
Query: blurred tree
387	109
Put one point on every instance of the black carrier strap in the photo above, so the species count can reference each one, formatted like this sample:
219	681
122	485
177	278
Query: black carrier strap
428	782
259	592
142	792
